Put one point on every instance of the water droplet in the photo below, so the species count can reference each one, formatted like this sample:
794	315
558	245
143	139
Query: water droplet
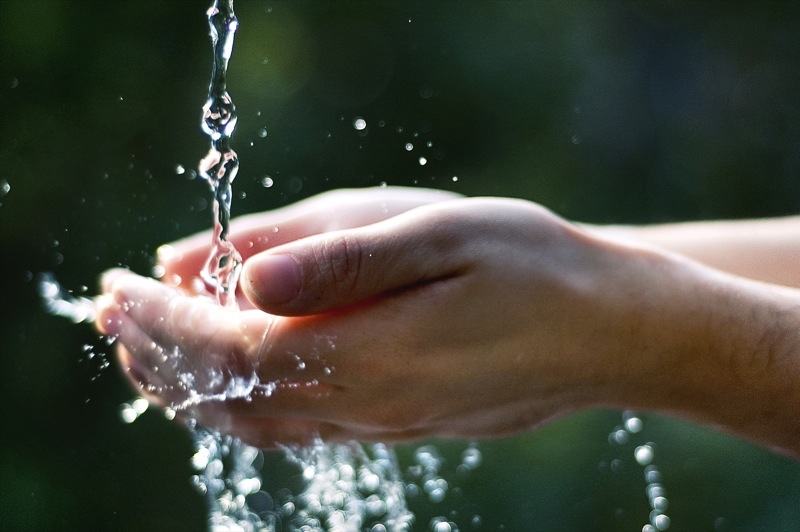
661	522
576	139
471	457
14	83
620	437
179	169
359	124
262	132
455	178
409	146
267	181
140	405
439	524
652	474
127	413
643	454
423	161
660	503
370	482
654	490
633	425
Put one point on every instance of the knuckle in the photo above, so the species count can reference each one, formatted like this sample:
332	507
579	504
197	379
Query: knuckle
340	259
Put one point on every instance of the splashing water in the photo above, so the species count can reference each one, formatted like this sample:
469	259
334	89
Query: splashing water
348	486
59	302
347	489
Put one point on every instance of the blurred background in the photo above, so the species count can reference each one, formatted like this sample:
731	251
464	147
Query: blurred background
606	112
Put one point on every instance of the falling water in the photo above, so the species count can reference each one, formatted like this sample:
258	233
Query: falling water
220	165
644	455
346	489
226	472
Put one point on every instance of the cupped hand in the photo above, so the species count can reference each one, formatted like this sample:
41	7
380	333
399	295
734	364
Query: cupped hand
379	320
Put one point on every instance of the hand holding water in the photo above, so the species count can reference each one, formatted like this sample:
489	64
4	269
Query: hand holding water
388	315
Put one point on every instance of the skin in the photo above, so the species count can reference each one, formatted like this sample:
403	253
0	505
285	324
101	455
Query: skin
401	314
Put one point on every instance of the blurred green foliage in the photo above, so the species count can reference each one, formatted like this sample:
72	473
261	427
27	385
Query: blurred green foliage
618	112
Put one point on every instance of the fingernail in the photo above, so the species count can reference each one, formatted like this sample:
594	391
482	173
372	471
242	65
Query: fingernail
272	279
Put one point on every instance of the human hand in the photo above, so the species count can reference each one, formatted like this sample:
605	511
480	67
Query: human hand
463	318
466	318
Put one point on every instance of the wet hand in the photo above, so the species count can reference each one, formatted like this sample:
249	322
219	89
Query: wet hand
467	318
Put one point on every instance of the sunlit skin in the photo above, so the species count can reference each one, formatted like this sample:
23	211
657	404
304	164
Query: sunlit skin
399	314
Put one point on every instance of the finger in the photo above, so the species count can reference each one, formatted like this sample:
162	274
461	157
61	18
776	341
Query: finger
142	361
198	337
338	269
172	319
152	386
341	209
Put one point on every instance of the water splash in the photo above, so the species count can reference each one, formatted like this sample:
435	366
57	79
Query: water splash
227	476
349	488
60	302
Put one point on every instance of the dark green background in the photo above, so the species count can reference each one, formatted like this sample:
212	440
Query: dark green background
607	112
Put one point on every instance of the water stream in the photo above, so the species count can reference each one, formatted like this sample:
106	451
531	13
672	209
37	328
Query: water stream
221	164
347	487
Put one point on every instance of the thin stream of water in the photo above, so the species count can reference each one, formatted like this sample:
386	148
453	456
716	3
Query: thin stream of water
226	474
345	488
221	164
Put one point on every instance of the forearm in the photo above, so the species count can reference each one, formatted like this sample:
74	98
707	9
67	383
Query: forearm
732	359
766	250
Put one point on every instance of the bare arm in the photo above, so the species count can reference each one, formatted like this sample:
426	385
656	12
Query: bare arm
766	250
384	331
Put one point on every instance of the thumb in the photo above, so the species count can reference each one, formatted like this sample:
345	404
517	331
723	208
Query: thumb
333	270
